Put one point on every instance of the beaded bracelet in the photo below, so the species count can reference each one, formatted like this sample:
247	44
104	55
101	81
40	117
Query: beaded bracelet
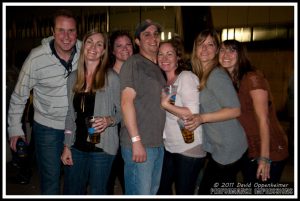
267	160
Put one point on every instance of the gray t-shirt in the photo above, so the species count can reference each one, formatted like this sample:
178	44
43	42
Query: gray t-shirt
146	78
225	140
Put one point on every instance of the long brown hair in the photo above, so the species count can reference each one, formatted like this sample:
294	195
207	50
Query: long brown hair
243	63
197	67
99	76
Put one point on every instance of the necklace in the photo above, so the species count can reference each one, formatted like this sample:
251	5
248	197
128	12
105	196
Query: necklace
172	80
82	102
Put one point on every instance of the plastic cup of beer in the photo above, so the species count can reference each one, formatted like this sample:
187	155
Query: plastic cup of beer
171	90
94	137
188	136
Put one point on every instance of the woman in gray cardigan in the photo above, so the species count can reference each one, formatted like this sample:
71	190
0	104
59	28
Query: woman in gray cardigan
93	90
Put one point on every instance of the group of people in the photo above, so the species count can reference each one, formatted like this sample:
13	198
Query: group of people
223	100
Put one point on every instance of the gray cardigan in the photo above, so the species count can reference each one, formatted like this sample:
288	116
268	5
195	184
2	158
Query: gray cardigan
107	103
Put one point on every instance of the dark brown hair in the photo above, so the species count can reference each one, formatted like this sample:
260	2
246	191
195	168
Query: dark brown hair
243	63
64	13
177	43
113	37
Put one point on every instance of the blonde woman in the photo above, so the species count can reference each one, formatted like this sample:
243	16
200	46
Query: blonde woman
93	89
223	136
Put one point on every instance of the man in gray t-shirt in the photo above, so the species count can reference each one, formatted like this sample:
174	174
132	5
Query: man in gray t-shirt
143	118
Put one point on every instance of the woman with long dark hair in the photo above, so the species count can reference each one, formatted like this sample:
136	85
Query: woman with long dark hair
268	146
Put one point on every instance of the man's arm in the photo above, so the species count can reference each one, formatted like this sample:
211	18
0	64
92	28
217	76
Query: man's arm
129	116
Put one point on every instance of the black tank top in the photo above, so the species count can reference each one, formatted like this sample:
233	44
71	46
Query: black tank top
84	103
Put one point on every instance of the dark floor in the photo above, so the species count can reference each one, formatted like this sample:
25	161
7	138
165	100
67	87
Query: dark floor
14	188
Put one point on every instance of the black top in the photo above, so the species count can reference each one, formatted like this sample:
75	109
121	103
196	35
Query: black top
84	106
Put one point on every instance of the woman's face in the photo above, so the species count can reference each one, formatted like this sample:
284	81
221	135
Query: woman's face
207	50
167	58
94	47
228	58
123	48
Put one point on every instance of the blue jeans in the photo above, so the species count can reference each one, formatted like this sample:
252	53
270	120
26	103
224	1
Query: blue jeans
89	169
143	178
48	148
181	170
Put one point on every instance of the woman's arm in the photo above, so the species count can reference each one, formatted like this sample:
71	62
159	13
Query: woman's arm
69	133
260	104
193	121
222	95
178	111
189	95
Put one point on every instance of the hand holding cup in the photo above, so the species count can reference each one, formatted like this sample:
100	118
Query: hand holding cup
188	136
170	91
93	132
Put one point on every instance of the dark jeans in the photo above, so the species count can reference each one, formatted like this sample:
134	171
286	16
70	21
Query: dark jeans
89	169
48	149
117	171
250	168
216	173
182	170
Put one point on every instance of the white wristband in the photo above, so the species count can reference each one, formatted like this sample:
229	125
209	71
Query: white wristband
68	132
135	138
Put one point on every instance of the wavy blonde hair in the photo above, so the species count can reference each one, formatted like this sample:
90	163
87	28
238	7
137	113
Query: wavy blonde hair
100	74
197	66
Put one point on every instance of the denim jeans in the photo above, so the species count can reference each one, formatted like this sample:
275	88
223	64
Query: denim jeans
182	170
48	148
89	169
143	178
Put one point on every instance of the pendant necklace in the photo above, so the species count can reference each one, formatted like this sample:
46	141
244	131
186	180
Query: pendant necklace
82	103
172	81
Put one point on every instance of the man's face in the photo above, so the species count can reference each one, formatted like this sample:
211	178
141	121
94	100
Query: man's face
65	33
149	40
